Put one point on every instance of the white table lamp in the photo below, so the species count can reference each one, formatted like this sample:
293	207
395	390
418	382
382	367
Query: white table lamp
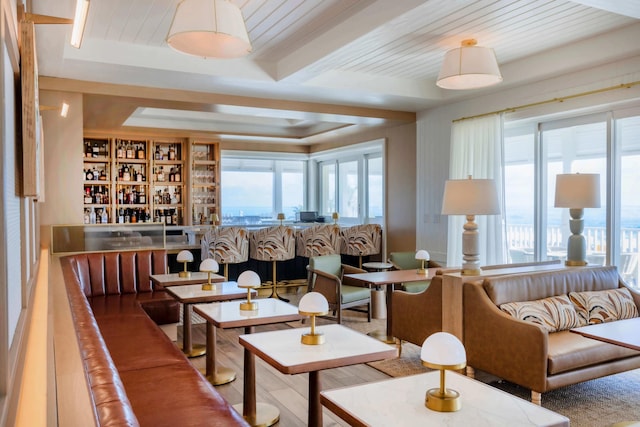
423	256
249	280
209	265
313	304
443	351
470	197
335	216
576	192
184	257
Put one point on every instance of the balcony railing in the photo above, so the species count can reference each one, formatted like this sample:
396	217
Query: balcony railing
521	243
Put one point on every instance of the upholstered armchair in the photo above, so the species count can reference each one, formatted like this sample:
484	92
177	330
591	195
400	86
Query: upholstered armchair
318	240
227	245
273	244
361	240
326	275
408	261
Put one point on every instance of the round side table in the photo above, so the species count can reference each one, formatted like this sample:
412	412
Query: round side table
378	303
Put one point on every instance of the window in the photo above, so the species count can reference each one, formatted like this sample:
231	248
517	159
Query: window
351	182
606	144
254	190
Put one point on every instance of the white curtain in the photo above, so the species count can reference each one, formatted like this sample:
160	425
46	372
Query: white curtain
477	150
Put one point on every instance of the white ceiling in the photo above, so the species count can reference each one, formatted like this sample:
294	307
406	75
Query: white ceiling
379	54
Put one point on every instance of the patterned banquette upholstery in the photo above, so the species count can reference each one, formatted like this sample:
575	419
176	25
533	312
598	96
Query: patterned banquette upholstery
227	245
273	244
361	240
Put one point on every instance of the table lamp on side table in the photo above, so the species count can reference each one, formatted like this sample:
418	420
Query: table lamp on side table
443	351
423	256
249	280
313	304
184	257
209	265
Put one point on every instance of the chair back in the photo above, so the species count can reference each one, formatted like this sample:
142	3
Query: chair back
405	260
227	245
318	240
361	240
272	243
331	264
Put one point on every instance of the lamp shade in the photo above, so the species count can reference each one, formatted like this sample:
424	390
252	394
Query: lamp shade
470	197
281	217
209	265
209	29
313	303
469	67
423	255
184	256
576	191
249	279
443	349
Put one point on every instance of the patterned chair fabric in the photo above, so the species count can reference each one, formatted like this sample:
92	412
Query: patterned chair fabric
273	243
318	240
227	245
361	240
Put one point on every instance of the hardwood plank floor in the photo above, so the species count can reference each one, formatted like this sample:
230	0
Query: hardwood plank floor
286	392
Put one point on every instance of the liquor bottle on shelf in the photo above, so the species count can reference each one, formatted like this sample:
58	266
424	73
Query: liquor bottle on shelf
104	218
160	177
129	152
172	152
140	152
89	174
177	175
88	199
158	155
126	174
95	150
86	216
120	150
121	215
92	216
103	175
176	196
142	198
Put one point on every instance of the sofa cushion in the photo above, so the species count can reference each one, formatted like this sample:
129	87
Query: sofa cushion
354	293
604	306
553	313
568	351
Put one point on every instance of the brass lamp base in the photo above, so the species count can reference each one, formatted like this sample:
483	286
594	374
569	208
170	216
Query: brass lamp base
575	263
248	306
421	271
184	274
313	339
447	401
471	272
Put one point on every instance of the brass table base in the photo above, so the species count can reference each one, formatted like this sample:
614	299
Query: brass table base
266	414
382	336
197	350
221	376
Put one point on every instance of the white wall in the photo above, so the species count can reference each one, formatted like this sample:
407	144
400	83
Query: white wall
434	131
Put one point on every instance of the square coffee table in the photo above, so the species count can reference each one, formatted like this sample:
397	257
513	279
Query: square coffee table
400	402
188	295
343	347
228	315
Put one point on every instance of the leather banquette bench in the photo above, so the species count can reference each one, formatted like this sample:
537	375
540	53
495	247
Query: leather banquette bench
517	326
136	374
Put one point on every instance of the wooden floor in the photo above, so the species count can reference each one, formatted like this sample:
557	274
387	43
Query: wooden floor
286	392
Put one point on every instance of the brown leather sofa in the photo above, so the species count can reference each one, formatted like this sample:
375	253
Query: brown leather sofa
527	354
137	376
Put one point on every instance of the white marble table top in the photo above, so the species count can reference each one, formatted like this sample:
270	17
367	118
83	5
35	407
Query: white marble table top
284	351
194	293
228	314
173	279
400	402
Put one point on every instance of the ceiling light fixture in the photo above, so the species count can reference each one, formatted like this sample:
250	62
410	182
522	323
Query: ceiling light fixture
209	29
79	22
469	67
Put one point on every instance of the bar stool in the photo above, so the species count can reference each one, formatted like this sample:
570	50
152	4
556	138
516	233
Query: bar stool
273	244
361	240
317	240
227	245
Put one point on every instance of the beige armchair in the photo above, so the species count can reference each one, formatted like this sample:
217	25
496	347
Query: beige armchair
326	276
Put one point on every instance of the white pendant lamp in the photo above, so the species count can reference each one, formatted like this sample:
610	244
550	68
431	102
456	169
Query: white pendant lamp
209	29
469	67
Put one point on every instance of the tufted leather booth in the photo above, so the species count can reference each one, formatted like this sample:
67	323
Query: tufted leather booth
136	375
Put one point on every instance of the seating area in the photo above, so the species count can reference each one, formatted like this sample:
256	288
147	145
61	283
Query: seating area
137	375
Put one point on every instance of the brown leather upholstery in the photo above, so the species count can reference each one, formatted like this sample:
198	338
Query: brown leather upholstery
137	376
417	315
523	352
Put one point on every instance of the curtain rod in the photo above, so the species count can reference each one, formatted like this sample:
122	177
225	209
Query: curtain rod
549	101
